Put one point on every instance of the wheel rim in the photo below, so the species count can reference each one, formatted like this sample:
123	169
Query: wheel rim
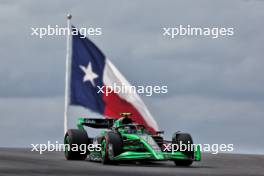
103	149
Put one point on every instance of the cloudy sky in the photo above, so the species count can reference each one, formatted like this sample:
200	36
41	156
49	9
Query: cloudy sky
215	85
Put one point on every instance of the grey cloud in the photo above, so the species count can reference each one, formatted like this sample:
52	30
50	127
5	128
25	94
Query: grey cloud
137	37
212	120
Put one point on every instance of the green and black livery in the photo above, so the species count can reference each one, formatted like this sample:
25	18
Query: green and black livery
122	139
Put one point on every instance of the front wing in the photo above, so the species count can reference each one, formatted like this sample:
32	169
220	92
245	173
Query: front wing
152	155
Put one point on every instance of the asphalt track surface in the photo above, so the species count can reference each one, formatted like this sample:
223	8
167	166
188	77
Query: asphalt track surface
25	162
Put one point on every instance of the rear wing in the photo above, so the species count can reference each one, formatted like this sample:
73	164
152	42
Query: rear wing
95	123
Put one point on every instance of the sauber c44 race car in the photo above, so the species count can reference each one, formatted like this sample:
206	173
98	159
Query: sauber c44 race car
122	139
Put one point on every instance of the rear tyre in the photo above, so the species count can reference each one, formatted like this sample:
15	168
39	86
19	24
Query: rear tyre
184	139
111	146
73	139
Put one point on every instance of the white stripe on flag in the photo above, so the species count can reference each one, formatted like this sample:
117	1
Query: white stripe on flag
112	76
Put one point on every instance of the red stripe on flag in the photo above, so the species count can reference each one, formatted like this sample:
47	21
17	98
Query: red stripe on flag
114	105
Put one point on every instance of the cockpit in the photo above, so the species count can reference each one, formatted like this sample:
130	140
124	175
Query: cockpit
132	129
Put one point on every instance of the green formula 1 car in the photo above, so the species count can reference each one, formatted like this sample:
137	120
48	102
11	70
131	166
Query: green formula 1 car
122	139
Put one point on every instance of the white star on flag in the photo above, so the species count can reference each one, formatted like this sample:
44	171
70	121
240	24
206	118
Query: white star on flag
89	74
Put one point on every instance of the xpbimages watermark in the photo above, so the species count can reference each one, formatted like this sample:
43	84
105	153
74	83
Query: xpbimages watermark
51	147
188	30
167	147
128	89
211	148
62	31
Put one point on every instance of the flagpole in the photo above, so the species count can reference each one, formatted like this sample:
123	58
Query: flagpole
67	65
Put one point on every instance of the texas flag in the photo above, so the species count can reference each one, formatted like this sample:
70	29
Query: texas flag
90	69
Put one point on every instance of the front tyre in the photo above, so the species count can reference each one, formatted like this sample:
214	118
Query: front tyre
104	152
111	146
186	140
73	140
